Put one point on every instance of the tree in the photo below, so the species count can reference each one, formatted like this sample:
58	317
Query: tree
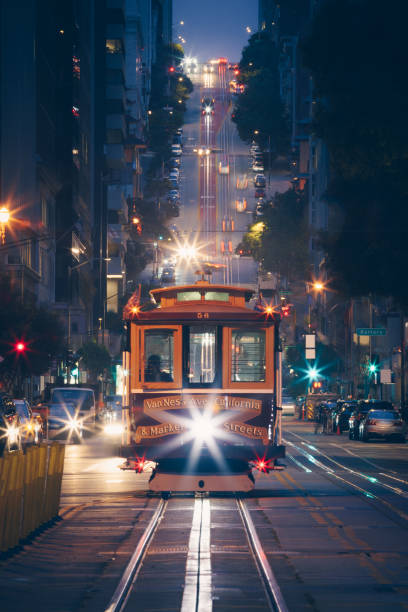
279	239
38	332
259	108
95	358
361	115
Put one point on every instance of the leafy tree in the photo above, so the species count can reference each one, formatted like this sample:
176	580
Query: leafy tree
361	115
279	239
39	330
259	108
95	358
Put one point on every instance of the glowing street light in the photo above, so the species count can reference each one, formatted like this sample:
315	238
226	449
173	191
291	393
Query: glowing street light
318	286
4	219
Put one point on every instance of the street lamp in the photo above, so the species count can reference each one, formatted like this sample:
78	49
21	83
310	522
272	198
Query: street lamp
4	219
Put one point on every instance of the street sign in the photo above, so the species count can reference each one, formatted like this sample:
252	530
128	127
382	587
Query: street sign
386	377
371	331
284	292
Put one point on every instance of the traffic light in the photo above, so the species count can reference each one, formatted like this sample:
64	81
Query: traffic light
20	347
172	69
285	311
317	384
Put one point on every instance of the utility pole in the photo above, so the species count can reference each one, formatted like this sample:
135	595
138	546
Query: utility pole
402	388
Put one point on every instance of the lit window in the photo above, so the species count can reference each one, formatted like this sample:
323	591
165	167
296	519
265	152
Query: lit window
188	296
219	296
114	45
248	356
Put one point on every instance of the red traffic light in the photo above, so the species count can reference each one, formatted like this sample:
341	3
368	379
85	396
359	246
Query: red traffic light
172	69
20	347
317	384
285	311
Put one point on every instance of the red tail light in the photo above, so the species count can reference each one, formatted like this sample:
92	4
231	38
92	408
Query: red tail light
263	465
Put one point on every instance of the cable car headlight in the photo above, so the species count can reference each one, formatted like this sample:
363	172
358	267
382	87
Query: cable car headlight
202	428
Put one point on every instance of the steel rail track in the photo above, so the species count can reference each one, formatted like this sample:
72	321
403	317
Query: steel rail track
118	601
275	597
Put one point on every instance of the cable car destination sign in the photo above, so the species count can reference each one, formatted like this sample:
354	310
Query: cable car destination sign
237	411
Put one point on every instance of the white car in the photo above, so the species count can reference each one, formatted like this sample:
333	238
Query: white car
176	150
257	167
223	167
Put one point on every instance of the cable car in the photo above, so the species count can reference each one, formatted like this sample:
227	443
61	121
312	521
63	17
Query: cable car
202	391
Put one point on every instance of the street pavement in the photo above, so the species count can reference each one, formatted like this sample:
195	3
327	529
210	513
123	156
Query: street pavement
333	524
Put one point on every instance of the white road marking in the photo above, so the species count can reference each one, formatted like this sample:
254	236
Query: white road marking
197	589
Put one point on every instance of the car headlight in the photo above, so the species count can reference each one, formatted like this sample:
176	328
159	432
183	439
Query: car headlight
74	425
12	434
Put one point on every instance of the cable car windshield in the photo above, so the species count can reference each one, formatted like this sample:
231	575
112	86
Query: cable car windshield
202	344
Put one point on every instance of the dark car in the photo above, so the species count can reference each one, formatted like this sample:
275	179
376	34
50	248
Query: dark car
259	193
31	426
10	438
168	275
259	180
343	415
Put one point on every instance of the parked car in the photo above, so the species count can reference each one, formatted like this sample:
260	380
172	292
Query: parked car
176	150
175	172
386	424
173	195
168	275
31	425
259	180
363	406
259	210
10	438
343	415
175	162
259	193
257	166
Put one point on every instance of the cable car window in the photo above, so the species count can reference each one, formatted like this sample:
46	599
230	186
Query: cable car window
188	296
159	355
248	356
202	354
216	295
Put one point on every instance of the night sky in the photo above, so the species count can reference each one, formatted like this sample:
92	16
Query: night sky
214	28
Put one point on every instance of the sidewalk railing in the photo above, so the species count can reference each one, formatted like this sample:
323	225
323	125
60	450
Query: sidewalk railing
30	488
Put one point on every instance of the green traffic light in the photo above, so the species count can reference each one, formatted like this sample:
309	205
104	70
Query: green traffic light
372	368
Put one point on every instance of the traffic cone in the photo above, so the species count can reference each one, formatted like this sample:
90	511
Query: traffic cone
338	432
